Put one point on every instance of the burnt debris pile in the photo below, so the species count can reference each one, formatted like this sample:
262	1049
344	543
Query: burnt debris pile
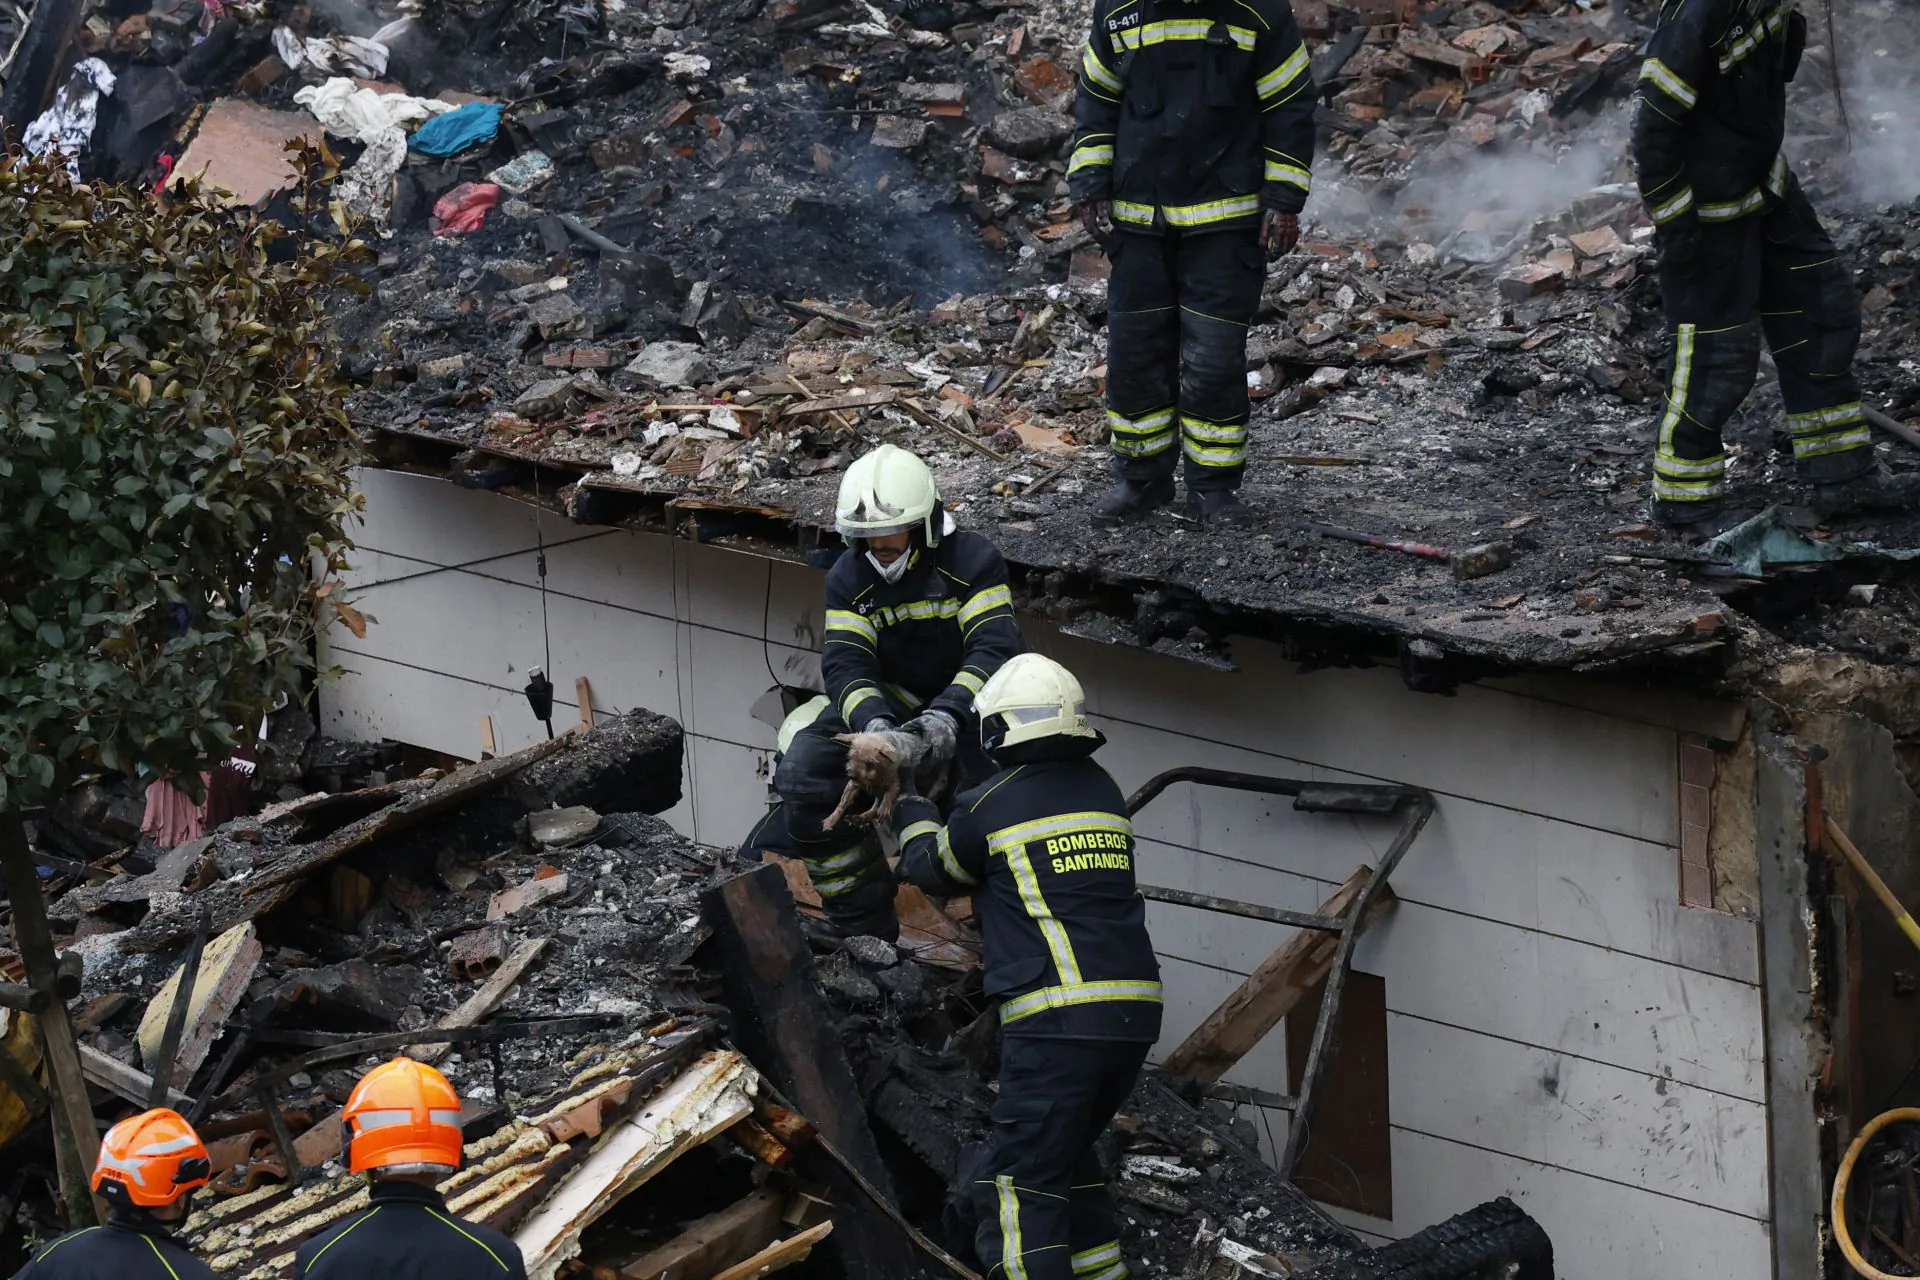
669	1064
675	263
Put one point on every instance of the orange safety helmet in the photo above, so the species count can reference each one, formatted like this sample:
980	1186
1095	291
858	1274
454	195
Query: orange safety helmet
403	1116
150	1161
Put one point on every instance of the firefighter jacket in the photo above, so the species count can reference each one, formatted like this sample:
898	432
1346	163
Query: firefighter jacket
1711	108
1193	114
931	639
1046	850
406	1233
124	1249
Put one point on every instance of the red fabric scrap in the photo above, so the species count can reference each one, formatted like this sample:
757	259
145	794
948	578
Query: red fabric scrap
464	208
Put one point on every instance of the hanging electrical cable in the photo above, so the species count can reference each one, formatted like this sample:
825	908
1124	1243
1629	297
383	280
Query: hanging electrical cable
539	686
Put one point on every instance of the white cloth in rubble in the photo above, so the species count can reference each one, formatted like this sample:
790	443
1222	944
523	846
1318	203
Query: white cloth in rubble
355	55
67	125
380	120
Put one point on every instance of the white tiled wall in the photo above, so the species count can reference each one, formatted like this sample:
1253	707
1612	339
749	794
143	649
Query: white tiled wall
1560	1030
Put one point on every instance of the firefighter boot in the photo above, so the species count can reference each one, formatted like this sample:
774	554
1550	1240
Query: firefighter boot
1685	515
1218	509
1132	501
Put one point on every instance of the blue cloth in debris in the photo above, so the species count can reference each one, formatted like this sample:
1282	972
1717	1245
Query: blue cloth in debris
452	132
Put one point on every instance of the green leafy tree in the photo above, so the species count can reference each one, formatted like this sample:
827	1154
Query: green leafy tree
174	455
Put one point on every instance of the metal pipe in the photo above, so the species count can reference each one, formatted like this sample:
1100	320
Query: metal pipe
1252	911
1298	1131
1892	426
1901	916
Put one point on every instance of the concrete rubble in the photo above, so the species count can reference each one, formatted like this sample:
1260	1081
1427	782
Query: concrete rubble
602	1032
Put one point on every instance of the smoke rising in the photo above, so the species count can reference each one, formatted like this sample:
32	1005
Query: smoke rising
1879	61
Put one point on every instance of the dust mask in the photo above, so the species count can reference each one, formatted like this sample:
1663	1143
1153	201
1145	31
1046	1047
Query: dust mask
891	573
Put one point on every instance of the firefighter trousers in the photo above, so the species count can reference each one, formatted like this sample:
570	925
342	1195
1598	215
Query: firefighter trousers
847	866
1777	275
1044	1212
1178	307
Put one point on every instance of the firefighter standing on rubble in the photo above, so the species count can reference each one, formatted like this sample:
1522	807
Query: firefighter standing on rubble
919	616
1742	254
1046	850
403	1131
148	1169
1190	163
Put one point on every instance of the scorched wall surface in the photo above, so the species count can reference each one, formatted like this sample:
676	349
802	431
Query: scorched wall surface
1559	1028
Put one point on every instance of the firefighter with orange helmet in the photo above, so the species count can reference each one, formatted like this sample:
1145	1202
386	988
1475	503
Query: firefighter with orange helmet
148	1169
403	1131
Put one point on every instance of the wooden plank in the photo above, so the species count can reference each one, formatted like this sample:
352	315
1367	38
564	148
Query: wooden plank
225	971
127	1082
839	404
583	697
777	1256
1281	982
488	750
785	1024
705	1099
714	1242
481	1004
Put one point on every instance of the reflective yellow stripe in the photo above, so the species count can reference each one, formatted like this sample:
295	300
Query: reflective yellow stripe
1000	597
849	621
1090	158
916	611
1672	85
314	1260
943	846
1283	75
1732	209
1277	172
1181	29
1012	1251
1673	208
1747	43
905	697
163	1257
1687	490
1097	1257
1068	995
1675	467
970	682
1777	176
1128	211
1140	437
853	698
1200	215
1213	432
469	1235
1814	419
915	830
845	860
1682	384
1207	455
1096	71
1857	437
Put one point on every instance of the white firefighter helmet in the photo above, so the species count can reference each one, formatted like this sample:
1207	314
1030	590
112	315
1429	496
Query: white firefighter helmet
1031	697
797	719
888	491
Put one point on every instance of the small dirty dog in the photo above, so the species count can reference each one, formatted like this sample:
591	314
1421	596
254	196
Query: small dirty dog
874	765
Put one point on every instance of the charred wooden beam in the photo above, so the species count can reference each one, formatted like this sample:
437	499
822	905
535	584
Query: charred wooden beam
785	1025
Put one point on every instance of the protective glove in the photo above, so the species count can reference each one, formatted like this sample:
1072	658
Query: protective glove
1679	243
1279	232
941	733
880	724
1097	217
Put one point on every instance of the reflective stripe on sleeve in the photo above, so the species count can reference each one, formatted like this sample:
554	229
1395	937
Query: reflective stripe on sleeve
1277	80
1667	82
1068	995
850	623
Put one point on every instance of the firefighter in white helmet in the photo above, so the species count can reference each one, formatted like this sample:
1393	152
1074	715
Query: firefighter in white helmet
1046	850
919	617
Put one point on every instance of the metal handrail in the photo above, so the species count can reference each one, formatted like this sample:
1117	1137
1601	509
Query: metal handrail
1379	799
